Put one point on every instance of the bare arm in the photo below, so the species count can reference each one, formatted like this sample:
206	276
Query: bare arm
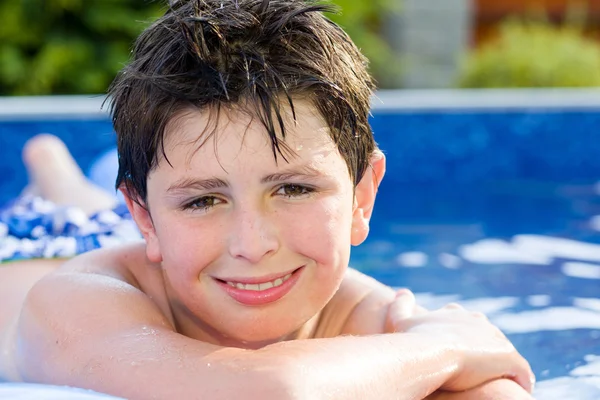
98	332
377	309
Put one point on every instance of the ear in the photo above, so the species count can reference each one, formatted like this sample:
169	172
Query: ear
141	215
364	197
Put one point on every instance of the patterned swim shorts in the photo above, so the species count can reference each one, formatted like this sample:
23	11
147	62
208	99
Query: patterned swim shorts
32	227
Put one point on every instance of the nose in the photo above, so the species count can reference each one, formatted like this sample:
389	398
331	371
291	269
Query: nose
253	235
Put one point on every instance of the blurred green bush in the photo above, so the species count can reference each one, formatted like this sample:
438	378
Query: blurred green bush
533	54
67	46
77	46
363	21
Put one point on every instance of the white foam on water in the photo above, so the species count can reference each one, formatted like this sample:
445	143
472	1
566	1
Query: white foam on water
449	260
489	306
558	247
581	270
432	301
590	303
486	305
412	259
548	319
568	387
539	300
582	384
529	249
590	369
496	251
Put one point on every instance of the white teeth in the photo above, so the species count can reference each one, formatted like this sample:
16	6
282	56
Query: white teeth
265	286
259	286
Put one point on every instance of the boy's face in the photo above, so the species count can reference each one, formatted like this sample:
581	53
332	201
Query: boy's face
251	248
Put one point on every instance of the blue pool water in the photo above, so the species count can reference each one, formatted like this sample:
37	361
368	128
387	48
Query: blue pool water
495	208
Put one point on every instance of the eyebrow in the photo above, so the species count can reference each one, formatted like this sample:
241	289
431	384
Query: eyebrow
302	172
198	184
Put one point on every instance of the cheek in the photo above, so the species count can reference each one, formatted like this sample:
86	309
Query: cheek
321	231
187	244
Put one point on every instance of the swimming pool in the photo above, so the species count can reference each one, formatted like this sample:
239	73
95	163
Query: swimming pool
491	200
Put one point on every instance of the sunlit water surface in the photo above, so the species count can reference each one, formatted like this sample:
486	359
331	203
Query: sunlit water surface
529	259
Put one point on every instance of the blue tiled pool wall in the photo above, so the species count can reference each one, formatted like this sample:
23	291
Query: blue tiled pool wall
432	149
429	154
474	147
518	171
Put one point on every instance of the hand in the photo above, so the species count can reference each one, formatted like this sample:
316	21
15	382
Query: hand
404	306
483	350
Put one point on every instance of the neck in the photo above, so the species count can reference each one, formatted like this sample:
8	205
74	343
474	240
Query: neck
194	328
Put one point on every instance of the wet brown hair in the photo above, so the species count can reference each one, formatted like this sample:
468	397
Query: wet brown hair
258	54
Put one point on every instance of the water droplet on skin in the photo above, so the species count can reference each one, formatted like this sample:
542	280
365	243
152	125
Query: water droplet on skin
299	147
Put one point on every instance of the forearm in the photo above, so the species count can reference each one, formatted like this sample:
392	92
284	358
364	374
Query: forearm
166	365
399	366
152	362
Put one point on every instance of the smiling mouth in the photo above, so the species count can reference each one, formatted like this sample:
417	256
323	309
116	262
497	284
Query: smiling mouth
259	287
252	292
262	286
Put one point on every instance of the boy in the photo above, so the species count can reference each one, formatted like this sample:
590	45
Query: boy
248	164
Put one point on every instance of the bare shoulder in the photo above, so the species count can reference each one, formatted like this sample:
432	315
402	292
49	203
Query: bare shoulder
121	262
126	265
359	307
94	296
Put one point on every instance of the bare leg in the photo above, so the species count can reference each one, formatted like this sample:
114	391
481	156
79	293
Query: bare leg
55	176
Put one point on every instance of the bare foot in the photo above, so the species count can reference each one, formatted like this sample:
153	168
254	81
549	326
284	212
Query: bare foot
55	176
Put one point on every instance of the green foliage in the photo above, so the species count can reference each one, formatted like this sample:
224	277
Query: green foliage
534	54
363	20
77	46
67	46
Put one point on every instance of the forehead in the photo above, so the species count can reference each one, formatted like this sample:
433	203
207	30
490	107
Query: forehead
233	132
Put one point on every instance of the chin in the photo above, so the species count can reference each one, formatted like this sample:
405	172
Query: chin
260	333
252	339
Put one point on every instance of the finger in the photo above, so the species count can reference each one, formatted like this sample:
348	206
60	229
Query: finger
402	308
419	310
479	314
453	306
525	378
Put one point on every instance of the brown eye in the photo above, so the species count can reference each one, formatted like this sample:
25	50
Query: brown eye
203	203
292	190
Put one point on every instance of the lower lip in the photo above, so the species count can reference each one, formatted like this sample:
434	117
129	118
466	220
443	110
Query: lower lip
258	298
